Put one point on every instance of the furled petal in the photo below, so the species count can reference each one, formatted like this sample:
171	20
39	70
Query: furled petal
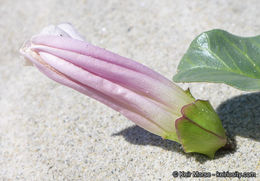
137	92
84	48
113	103
136	81
144	106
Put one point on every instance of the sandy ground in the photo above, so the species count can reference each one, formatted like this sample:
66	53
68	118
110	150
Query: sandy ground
50	132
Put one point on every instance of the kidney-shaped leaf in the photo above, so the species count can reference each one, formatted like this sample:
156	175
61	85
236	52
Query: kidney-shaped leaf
220	57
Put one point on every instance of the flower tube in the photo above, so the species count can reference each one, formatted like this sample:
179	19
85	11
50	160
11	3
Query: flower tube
137	92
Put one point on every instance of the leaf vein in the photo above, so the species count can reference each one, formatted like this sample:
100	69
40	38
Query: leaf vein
243	53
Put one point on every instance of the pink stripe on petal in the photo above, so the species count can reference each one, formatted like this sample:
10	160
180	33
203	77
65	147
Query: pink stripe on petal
128	78
99	53
137	103
114	104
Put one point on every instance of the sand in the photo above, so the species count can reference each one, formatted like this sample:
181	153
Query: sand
51	132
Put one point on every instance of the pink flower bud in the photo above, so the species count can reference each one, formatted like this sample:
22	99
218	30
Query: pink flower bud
137	92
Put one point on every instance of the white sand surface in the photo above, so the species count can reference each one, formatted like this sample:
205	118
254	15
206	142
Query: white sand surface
50	132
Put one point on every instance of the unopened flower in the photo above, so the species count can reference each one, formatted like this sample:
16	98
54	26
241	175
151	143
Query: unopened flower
137	92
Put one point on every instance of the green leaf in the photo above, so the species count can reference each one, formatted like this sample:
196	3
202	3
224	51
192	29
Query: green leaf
220	57
200	129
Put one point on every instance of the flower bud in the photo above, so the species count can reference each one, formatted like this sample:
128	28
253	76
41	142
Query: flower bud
137	92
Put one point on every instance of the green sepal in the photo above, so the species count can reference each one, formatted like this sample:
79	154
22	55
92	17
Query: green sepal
200	129
189	93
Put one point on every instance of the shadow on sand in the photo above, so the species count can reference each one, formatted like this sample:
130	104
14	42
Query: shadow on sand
240	116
